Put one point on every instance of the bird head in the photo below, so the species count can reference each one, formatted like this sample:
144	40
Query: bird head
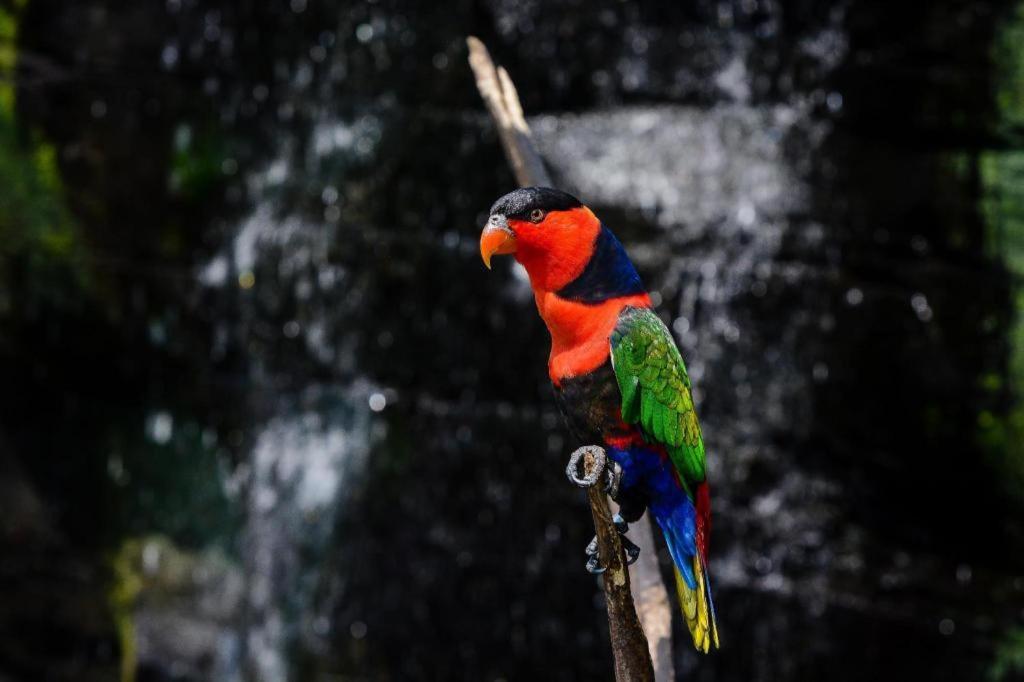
550	232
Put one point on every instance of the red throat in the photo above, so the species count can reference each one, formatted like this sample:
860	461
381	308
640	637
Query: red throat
580	332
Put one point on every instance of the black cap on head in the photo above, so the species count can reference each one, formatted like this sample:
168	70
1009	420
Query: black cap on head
519	203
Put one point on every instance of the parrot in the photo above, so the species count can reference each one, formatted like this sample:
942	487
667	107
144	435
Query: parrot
618	377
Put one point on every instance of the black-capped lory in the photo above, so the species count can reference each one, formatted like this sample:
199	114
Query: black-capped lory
618	376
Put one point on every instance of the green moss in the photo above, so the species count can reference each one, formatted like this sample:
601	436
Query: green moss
1008	54
151	572
8	57
197	163
37	230
1002	207
1009	662
125	588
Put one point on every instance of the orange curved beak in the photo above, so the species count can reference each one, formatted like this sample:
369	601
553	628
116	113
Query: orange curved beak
497	238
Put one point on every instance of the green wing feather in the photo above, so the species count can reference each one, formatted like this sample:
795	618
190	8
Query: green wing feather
656	390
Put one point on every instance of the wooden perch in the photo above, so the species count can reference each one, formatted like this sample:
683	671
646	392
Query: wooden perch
629	645
502	100
651	597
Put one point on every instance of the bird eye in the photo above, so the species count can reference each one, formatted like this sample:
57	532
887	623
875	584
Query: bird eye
536	215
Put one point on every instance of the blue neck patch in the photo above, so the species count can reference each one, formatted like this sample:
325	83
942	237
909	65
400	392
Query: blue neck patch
609	274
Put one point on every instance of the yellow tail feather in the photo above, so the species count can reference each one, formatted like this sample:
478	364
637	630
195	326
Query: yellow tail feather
697	613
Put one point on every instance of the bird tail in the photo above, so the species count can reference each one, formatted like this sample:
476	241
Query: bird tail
698	608
686	529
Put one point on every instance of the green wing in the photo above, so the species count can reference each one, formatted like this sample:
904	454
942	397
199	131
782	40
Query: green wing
656	390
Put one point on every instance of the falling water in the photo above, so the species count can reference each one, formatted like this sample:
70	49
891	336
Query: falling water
298	470
313	439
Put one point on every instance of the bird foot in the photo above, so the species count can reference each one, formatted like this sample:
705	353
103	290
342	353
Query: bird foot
593	554
603	468
594	566
611	473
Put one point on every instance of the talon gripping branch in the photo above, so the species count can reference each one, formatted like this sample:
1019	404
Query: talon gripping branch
618	376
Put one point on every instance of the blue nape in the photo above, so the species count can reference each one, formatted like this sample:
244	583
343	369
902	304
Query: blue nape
669	504
609	273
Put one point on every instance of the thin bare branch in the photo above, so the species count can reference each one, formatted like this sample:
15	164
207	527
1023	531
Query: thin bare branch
629	645
502	101
652	600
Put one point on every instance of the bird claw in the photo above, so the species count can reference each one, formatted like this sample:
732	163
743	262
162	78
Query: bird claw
632	550
613	477
594	558
593	554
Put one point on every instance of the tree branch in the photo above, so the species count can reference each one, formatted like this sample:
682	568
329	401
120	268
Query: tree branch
502	100
629	645
652	600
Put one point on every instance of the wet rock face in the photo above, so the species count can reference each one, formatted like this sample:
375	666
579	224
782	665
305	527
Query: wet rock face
286	347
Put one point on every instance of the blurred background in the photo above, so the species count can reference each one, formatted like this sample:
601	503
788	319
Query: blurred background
265	416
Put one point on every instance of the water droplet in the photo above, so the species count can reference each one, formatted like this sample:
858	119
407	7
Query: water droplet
919	302
150	558
947	626
378	402
820	372
115	469
963	574
160	427
746	215
854	296
169	56
364	33
834	101
357	629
